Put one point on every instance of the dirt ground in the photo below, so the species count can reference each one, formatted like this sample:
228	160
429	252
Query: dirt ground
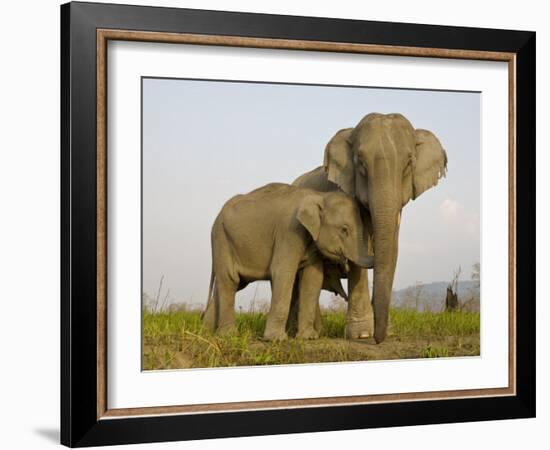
321	350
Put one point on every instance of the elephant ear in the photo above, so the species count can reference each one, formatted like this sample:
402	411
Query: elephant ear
310	213
338	161
428	164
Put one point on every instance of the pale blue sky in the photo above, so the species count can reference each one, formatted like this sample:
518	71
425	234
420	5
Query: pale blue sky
206	141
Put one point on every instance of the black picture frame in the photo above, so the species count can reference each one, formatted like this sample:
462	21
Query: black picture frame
80	425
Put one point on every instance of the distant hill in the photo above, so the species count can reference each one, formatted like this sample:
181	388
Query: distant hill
431	296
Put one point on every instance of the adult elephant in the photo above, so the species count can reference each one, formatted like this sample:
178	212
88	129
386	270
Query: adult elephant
383	163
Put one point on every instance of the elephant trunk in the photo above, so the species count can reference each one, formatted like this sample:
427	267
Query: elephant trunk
359	254
386	230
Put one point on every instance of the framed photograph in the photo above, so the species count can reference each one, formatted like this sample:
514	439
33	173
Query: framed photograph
277	224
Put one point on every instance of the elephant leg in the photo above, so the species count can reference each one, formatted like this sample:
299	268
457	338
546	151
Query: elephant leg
292	322
209	317
359	320
224	294
282	284
318	323
311	281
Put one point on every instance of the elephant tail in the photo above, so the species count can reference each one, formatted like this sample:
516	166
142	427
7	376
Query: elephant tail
211	286
210	291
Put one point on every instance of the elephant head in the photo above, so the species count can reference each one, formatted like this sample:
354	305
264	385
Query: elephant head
384	162
333	221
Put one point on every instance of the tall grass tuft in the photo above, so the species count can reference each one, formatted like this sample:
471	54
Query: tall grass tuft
334	324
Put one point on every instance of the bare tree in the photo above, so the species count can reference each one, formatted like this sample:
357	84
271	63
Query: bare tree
413	295
451	300
418	287
160	302
337	304
476	274
472	303
252	306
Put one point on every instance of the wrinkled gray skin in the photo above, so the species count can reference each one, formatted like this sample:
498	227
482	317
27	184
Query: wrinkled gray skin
280	233
383	163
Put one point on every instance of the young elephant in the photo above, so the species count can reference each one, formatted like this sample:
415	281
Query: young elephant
275	233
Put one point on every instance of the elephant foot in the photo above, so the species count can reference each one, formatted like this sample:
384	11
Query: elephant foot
209	326
275	335
362	329
208	320
310	333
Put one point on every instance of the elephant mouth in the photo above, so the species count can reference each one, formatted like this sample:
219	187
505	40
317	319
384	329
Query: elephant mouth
346	265
343	261
339	258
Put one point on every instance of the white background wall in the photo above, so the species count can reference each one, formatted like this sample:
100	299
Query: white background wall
29	223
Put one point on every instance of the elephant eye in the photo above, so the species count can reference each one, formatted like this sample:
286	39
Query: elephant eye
345	230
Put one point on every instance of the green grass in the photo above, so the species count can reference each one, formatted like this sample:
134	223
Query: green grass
178	340
434	352
413	323
334	324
